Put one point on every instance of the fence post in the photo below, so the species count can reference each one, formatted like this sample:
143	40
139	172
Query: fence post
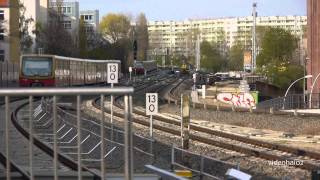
7	133
201	167
1	74
271	110
102	134
31	136
318	100
7	78
79	136
172	157
295	112
128	138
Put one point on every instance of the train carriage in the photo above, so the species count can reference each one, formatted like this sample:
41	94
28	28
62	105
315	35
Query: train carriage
140	67
51	70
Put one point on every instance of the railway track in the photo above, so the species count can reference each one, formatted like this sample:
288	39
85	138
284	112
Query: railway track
251	147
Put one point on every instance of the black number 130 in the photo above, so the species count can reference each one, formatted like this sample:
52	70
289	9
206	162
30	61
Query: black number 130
113	68
152	98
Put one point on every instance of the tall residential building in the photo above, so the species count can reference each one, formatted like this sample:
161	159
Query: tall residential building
180	36
70	10
9	31
91	19
38	11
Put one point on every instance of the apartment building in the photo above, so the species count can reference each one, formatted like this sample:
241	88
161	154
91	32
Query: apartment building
180	36
38	11
9	31
70	10
91	19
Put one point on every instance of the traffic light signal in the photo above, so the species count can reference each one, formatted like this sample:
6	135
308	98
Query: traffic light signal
135	49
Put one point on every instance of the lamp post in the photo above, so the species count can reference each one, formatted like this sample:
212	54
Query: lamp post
305	77
254	46
311	90
304	80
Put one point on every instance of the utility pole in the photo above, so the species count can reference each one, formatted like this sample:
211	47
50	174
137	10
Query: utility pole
254	46
198	53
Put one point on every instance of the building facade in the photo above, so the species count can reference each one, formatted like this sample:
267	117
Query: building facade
313	60
9	31
38	11
91	20
70	10
180	36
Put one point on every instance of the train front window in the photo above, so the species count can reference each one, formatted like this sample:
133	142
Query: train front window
138	65
37	66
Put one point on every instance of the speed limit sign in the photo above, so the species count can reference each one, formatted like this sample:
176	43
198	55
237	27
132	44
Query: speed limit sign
151	103
112	73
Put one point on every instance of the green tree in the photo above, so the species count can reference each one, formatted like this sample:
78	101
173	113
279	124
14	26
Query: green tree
115	27
275	58
211	58
83	51
24	24
235	59
277	47
117	30
142	36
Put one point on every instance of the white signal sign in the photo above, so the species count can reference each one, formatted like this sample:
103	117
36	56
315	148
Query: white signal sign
130	69
151	103
113	73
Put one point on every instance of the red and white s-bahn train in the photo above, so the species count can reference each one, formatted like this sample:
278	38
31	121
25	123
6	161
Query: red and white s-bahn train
51	70
139	67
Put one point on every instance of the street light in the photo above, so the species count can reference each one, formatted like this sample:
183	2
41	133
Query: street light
304	81
311	91
305	77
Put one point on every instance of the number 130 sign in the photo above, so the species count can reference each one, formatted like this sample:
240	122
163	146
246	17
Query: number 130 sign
112	73
151	103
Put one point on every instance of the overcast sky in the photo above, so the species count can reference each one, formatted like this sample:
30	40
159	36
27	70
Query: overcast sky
195	9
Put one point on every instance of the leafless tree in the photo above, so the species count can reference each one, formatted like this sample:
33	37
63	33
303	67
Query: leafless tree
142	36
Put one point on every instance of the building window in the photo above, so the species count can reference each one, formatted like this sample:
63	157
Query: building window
1	15
2	55
1	34
67	24
66	10
89	29
87	17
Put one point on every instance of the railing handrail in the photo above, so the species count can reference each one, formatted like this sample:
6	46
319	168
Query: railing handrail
66	91
291	101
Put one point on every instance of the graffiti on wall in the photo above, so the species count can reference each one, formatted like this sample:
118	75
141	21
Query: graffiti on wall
243	100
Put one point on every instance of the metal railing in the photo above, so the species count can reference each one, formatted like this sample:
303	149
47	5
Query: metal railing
31	93
9	74
292	101
203	165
